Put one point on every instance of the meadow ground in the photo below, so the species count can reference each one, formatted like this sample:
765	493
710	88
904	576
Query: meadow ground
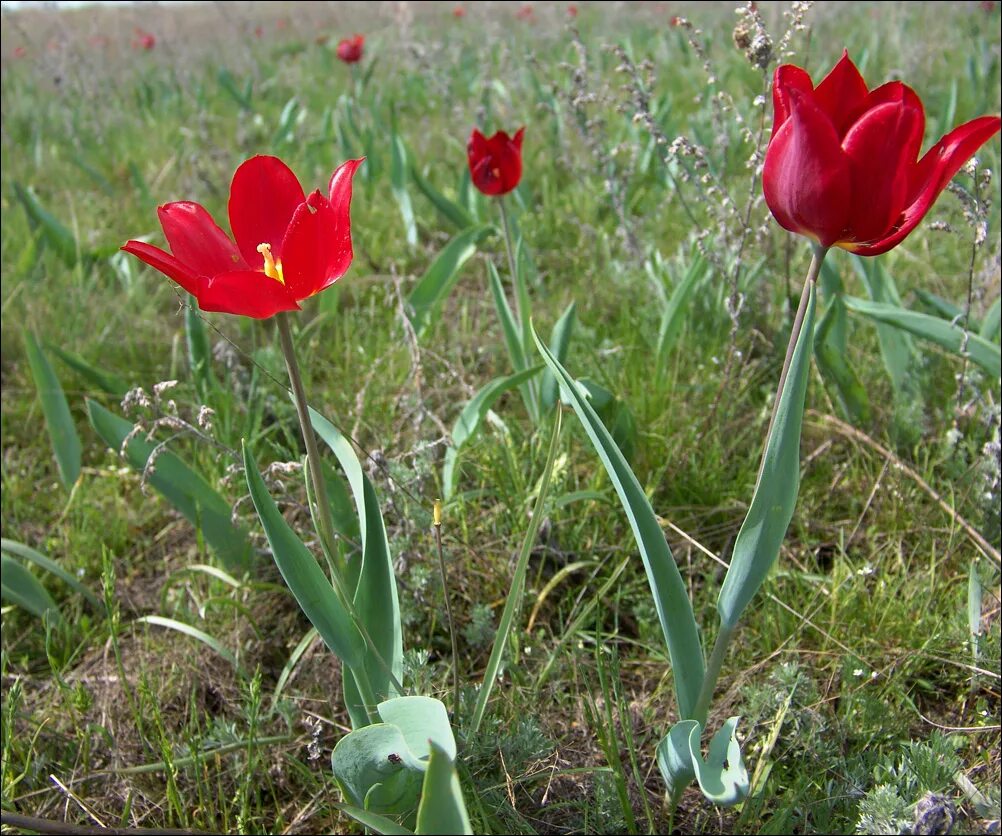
867	670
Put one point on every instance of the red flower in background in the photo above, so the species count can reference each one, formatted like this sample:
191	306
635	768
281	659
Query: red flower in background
20	51
288	246
495	163
144	39
842	166
350	50
459	12
525	13
572	10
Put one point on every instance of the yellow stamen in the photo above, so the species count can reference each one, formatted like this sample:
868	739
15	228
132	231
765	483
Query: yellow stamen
272	268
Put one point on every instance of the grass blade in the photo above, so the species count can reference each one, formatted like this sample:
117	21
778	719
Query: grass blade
448	209
674	313
670	597
20	587
188	492
432	288
54	233
470	419
195	633
49	565
112	384
398	183
830	353
58	421
303	575
993	322
514	601
560	340
758	542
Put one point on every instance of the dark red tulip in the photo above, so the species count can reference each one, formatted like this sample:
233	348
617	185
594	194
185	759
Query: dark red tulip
843	164
495	163
350	50
459	12
287	247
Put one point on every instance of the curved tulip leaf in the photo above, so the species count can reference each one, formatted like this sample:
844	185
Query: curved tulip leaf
375	822
992	323
49	565
830	351
949	336
560	340
674	759
758	542
54	233
112	384
674	314
376	770
398	183
58	421
199	352
470	419
375	592
188	492
304	576
670	597
20	587
442	809
432	288
187	630
449	209
422	721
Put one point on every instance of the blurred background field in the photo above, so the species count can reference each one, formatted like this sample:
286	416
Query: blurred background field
867	673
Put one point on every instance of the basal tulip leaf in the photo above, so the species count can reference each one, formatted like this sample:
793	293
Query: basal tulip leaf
375	592
54	233
188	492
512	331
398	183
110	383
432	288
469	421
560	340
674	759
993	321
58	420
671	599
376	771
830	353
442	809
758	542
946	334
49	565
722	776
941	307
448	209
673	317
303	575
423	721
199	351
373	821
22	588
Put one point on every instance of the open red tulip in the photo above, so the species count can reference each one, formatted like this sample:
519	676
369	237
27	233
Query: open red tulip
495	163
288	246
349	50
843	166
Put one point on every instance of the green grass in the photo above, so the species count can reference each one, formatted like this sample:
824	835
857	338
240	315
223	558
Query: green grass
852	669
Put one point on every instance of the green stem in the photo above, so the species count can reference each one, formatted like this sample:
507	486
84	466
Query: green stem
448	611
323	511
521	306
713	666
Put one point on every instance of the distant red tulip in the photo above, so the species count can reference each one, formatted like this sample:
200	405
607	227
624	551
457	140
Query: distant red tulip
288	246
350	49
20	51
525	13
144	40
258	32
495	163
459	12
572	10
842	166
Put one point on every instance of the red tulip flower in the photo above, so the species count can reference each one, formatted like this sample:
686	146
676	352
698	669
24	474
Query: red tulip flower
459	12
843	165
495	163
288	246
349	50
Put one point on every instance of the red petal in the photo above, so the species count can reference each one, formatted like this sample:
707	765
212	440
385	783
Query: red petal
882	148
841	93
932	174
166	264
476	147
517	139
317	247
263	196
197	240
806	176
246	293
787	77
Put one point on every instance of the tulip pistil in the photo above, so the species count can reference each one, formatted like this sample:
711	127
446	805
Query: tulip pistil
272	268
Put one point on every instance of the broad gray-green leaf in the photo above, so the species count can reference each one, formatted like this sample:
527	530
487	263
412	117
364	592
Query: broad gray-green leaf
375	822
670	597
469	421
432	288
20	587
376	770
674	759
722	776
49	565
442	809
940	331
375	593
58	421
830	352
993	321
758	542
188	492
560	340
304	576
422	721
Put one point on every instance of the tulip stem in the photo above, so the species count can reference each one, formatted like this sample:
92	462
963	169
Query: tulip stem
521	304
437	525
325	524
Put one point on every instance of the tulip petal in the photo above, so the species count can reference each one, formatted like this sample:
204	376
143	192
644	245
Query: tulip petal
517	139
197	240
932	174
882	148
246	293
167	264
317	247
806	176
840	93
787	77
264	195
